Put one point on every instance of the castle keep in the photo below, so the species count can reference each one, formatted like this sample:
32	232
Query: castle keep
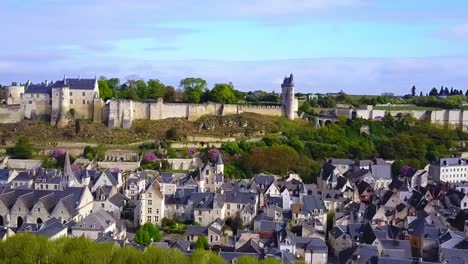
79	99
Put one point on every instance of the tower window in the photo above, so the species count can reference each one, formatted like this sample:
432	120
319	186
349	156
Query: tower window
71	101
71	93
84	93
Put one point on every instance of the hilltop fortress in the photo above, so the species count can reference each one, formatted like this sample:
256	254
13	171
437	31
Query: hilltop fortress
78	98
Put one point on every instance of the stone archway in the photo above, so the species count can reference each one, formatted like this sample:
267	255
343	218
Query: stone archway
19	221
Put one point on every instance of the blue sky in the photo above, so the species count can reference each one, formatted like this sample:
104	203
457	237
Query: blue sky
359	46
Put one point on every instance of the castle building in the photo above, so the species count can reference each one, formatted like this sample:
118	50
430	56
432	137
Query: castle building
61	100
78	98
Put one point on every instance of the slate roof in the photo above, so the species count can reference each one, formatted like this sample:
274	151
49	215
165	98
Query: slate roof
196	230
202	201
180	196
23	176
239	197
381	170
98	220
69	197
268	226
361	232
80	84
450	162
455	256
263	182
51	228
341	162
118	199
337	231
364	254
39	89
311	203
4	175
327	170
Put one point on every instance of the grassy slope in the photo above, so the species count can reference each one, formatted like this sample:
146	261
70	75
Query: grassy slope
141	130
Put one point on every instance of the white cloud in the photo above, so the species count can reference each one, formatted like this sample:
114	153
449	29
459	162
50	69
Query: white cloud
459	31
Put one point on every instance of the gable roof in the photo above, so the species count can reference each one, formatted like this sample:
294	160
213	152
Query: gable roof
39	89
99	220
311	203
80	84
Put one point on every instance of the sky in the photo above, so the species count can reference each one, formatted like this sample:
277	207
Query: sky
358	46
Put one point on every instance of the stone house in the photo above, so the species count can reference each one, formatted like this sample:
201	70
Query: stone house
151	206
95	225
107	178
212	232
18	206
211	176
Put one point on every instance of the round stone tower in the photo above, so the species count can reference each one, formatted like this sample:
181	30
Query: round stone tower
14	95
64	104
288	102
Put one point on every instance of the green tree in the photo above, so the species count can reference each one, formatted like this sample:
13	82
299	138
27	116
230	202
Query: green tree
396	167
23	148
141	89
156	89
105	91
173	134
193	89
147	233
202	243
223	93
170	94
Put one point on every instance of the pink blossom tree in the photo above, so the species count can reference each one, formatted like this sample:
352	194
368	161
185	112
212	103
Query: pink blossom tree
56	152
149	157
213	154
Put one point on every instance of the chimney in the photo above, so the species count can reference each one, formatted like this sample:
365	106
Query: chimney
46	83
79	76
64	79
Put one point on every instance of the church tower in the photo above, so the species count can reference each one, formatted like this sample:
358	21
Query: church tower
219	166
68	175
289	105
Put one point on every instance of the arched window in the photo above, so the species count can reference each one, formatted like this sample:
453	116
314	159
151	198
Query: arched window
39	221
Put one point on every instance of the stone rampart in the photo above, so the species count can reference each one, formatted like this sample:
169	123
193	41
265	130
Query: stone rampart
11	114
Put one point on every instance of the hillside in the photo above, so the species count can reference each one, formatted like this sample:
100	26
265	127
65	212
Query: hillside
244	125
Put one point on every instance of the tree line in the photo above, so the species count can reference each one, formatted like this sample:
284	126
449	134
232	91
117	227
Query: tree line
190	90
28	248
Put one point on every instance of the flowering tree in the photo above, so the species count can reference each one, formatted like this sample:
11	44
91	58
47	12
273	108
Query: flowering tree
75	168
56	152
149	157
192	151
405	170
213	154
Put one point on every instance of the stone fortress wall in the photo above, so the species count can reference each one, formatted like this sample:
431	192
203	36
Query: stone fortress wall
55	101
121	113
455	117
